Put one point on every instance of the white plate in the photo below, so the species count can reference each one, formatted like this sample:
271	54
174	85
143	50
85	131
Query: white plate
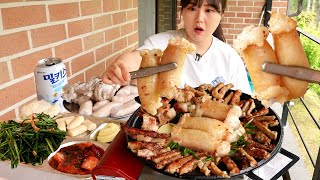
70	143
93	135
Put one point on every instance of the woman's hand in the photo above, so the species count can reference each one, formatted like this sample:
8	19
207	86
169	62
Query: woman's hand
116	73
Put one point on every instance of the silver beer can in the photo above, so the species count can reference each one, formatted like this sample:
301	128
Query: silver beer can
50	77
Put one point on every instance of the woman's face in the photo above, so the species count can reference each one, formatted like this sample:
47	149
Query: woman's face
200	22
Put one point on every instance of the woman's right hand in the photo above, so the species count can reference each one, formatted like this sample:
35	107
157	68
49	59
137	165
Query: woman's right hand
117	73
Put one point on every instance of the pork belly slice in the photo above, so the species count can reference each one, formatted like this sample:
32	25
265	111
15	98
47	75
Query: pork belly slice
183	95
144	145
165	115
133	132
166	155
174	166
188	166
181	107
148	154
150	139
145	153
192	164
149	123
164	162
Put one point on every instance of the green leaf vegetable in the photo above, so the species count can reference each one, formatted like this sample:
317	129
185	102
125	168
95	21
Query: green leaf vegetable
238	144
24	142
185	151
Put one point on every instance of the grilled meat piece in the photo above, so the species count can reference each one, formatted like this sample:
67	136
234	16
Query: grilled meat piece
236	97
164	162
257	153
144	145
188	166
166	155
252	161
216	171
183	95
261	138
133	132
206	87
174	166
149	123
231	165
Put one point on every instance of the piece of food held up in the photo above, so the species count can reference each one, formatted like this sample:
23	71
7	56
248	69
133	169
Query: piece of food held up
210	128
289	51
256	50
164	84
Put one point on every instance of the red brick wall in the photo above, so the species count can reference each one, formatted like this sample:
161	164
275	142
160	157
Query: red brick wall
86	35
241	13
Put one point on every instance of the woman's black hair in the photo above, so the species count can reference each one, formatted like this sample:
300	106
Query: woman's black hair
219	5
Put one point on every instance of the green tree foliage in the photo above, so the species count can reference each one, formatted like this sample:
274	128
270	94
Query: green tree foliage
306	21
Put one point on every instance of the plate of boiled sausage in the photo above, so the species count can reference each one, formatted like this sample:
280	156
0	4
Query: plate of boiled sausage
94	98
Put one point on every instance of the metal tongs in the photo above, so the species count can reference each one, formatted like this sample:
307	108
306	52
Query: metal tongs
143	72
295	72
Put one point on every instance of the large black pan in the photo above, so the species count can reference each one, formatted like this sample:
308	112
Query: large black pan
136	121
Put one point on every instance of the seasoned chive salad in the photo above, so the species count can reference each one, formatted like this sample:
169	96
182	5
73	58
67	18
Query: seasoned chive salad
31	141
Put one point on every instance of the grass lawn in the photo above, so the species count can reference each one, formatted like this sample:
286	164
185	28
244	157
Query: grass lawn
307	127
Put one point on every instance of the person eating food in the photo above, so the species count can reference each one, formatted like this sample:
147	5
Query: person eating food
214	61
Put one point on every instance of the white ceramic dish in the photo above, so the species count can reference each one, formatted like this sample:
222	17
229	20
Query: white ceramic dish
70	143
93	135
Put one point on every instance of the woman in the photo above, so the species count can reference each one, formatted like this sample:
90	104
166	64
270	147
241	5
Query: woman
214	61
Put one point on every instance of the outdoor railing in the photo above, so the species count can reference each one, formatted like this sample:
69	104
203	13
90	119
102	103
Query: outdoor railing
287	111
